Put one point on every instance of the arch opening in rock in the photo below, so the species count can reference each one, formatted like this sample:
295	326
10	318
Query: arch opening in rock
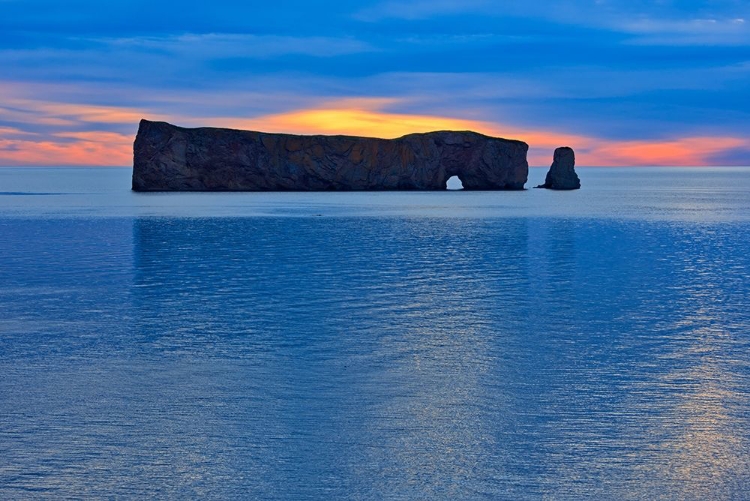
454	183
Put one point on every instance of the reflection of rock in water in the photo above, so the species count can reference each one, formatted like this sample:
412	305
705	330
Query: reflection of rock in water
442	357
169	158
382	358
441	420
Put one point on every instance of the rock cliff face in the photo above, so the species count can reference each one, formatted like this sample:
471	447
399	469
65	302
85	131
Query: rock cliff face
170	158
562	174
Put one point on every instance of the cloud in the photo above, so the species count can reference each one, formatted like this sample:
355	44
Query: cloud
182	60
90	149
225	45
70	113
687	151
418	9
732	156
12	132
697	31
716	23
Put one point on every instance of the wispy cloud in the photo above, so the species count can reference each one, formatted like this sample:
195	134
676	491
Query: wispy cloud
12	132
686	151
696	31
419	9
660	23
212	45
89	149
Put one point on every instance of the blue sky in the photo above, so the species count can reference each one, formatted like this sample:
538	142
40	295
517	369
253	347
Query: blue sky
625	83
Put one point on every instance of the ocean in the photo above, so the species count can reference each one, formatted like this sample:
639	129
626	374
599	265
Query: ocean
592	344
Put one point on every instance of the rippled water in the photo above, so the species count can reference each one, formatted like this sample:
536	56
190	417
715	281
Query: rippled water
533	345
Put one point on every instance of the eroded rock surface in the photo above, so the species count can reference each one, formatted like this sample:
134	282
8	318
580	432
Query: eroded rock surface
562	174
170	158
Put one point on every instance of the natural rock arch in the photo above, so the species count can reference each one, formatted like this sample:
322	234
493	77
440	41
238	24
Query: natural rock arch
454	183
170	158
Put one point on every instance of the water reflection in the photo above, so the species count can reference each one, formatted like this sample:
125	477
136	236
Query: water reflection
374	358
701	428
433	418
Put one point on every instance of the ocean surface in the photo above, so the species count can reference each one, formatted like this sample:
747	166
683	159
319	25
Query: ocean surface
456	345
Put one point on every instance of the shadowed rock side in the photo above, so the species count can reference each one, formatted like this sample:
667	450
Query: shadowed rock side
562	174
170	158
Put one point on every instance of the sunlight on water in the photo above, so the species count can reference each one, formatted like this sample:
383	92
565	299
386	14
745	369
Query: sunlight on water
384	355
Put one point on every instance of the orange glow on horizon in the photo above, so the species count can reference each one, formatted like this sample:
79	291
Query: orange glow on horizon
357	116
364	118
689	151
85	149
368	120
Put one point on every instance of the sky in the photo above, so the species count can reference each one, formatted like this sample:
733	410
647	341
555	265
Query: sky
622	82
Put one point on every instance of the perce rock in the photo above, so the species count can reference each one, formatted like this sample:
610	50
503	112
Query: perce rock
170	158
562	174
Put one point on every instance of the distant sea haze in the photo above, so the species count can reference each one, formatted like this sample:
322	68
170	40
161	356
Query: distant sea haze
535	344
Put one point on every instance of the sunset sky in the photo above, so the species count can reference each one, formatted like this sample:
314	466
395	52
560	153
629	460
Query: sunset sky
623	82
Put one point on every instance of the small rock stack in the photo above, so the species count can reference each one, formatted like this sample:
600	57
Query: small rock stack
562	174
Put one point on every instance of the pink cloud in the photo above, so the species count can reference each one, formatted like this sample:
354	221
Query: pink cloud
86	149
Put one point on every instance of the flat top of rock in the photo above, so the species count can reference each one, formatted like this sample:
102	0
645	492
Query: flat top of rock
443	134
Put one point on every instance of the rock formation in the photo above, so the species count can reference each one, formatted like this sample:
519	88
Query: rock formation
562	174
170	158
